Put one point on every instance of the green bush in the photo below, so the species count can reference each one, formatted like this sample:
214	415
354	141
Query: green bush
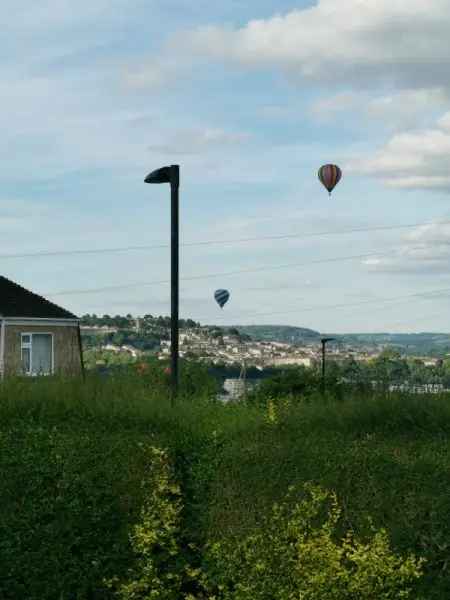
295	382
295	554
194	380
158	563
67	502
76	485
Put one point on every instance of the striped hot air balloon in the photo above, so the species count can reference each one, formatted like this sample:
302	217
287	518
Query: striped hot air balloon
221	297
329	176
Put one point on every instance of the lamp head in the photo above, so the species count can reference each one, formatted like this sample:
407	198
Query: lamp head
164	175
159	176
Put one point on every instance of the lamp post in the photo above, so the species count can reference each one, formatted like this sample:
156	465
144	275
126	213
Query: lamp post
171	174
324	341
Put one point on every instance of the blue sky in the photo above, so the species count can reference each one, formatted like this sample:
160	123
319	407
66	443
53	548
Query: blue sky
250	98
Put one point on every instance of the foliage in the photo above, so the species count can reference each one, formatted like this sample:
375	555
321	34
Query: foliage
222	371
195	379
93	358
294	554
147	321
157	566
429	344
297	381
73	457
390	368
66	504
280	333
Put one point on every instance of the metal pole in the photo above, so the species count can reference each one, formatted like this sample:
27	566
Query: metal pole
174	275
323	366
80	347
2	349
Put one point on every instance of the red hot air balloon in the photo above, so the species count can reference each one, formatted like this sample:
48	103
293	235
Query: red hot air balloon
329	176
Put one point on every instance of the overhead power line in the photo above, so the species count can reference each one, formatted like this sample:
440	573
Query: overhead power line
301	309
52	253
220	274
138	284
412	321
420	295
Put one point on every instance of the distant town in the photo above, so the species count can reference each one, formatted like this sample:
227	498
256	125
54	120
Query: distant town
134	337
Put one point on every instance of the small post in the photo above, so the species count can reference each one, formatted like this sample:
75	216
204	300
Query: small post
324	341
83	374
323	366
174	187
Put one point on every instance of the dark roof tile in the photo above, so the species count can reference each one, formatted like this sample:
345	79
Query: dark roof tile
16	301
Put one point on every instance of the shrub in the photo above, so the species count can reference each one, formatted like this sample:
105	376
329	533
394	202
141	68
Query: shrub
156	571
67	502
291	382
295	555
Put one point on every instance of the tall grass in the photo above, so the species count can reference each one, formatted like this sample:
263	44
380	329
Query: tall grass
71	461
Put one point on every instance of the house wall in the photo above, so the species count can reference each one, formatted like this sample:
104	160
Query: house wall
65	347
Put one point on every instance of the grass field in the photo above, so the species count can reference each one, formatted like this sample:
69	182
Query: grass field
74	456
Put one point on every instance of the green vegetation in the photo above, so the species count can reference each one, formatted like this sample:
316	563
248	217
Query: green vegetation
152	329
108	492
422	344
390	368
147	322
280	333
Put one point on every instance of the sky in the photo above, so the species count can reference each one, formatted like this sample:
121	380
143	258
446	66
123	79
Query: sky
250	98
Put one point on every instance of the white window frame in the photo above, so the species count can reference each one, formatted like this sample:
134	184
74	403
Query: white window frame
30	346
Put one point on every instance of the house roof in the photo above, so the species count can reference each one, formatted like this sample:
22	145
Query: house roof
16	301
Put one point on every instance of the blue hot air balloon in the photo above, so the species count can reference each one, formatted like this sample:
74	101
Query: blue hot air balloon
221	297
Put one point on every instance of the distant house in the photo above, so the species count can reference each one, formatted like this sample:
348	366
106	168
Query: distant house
37	337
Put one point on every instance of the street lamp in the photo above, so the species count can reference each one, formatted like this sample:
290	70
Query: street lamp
324	341
171	174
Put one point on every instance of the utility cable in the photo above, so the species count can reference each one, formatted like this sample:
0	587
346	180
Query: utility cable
301	309
220	274
52	253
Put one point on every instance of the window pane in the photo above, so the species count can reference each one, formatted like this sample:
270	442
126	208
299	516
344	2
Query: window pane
25	360
41	353
25	339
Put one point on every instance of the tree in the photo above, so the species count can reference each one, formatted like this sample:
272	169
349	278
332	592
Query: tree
296	381
233	331
389	367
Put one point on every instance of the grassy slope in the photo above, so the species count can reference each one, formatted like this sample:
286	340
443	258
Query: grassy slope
65	447
388	460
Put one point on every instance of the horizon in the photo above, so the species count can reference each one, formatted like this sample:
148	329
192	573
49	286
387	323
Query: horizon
236	326
96	95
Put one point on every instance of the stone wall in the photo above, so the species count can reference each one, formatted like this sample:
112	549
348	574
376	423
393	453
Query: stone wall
65	347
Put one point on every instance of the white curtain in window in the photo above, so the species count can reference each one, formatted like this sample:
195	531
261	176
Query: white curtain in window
42	353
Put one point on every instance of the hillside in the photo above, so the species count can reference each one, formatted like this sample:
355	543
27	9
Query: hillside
145	333
408	343
425	343
280	333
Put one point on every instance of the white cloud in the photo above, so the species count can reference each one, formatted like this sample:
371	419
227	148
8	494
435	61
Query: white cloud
417	159
405	105
365	41
162	72
425	249
431	233
328	107
398	110
197	141
444	122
